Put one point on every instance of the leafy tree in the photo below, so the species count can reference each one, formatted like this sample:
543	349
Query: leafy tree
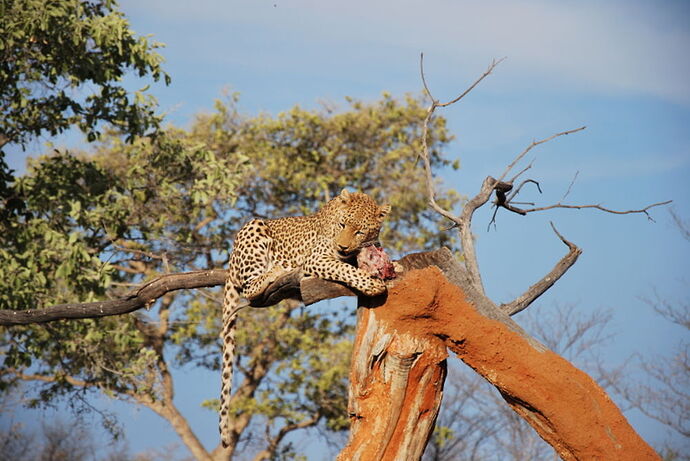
144	201
62	64
128	212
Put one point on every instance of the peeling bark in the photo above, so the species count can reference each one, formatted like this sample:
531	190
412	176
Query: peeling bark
409	370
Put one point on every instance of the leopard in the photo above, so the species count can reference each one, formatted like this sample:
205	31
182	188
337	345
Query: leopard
323	245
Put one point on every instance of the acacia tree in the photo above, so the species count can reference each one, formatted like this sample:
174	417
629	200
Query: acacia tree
169	205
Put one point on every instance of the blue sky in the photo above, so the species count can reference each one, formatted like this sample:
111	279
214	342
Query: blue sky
620	67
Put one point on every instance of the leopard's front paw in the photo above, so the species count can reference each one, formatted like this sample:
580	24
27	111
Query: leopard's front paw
375	288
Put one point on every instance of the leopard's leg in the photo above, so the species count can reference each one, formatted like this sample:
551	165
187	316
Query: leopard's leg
254	258
333	269
257	285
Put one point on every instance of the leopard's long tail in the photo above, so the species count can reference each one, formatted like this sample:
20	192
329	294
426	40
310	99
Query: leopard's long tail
231	305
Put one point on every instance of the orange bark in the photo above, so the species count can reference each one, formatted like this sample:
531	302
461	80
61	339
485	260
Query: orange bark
563	404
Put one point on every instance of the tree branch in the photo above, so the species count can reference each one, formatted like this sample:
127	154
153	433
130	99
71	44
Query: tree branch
47	379
535	144
503	200
463	222
269	451
523	301
598	207
144	296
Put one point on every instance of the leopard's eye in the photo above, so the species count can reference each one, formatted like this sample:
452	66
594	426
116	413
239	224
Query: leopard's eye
342	225
359	233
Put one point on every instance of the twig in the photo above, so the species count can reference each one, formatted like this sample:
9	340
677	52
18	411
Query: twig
488	71
512	180
421	71
517	189
533	145
570	186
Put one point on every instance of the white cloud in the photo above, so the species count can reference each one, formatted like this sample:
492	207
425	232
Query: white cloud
617	47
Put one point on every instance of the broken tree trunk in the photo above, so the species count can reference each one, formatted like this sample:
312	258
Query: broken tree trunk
398	369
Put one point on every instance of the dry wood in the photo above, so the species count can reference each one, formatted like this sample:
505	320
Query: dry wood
398	369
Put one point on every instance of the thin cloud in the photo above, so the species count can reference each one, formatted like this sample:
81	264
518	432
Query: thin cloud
616	47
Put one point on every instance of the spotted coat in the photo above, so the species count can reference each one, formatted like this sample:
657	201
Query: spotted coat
318	244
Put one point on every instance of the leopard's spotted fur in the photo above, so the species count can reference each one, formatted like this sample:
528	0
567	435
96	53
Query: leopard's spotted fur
319	244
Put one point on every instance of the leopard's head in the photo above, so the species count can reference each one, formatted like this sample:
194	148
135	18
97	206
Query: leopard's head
357	222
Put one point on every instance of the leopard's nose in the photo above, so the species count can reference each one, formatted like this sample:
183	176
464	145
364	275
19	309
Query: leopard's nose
342	247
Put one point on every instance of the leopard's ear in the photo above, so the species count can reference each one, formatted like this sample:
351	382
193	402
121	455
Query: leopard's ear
384	210
344	196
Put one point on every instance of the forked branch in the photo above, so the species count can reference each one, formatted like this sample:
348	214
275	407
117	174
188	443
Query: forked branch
463	222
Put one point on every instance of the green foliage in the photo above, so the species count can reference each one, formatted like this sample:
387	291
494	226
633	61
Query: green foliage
302	158
87	226
62	64
75	224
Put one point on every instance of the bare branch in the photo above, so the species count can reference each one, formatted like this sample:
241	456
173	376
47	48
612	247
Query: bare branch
523	301
465	230
535	144
512	180
598	207
488	71
464	221
683	226
291	285
421	71
570	186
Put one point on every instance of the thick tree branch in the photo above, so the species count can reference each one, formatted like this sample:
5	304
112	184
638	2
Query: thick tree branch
398	365
292	285
144	296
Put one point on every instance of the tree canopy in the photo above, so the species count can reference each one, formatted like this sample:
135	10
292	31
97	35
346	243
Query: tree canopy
93	224
63	64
